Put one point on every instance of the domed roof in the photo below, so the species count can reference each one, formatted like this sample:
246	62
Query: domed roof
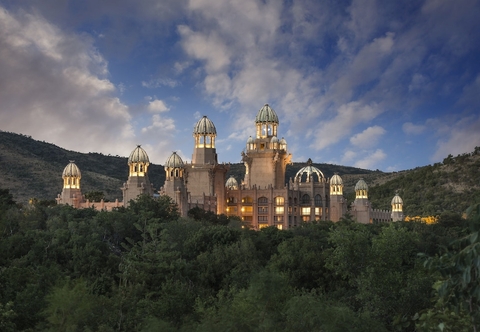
266	114
336	179
231	183
308	170
138	156
250	140
72	170
204	126
174	161
361	185
283	141
397	199
274	139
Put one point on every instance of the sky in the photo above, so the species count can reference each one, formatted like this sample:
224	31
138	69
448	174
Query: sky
375	84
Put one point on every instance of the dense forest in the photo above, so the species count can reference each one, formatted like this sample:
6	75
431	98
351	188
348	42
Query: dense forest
143	268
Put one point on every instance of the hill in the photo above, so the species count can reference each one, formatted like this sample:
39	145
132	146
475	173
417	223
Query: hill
31	168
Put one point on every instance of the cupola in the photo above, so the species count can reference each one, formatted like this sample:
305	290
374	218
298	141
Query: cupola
308	173
138	162
361	189
71	176
174	166
336	185
204	133
231	183
266	122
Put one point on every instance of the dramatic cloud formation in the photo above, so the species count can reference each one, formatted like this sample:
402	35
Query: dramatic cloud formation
352	82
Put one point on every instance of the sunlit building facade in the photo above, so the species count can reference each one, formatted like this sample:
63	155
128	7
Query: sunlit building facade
264	197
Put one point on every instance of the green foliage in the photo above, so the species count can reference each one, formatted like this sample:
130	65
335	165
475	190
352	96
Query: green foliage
143	268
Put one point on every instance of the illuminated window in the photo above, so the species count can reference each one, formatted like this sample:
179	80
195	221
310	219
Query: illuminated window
278	218
247	200
306	218
318	211
247	209
279	210
262	225
279	200
305	211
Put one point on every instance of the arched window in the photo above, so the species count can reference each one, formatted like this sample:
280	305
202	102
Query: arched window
295	201
263	201
305	199
279	200
318	200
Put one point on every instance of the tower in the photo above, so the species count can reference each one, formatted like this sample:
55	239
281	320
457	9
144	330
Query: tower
266	156
204	177
71	193
361	206
175	182
397	208
337	201
138	182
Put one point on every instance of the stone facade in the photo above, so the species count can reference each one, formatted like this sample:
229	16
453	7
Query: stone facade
263	198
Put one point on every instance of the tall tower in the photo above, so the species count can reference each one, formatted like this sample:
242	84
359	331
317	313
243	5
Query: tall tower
397	208
204	177
361	206
266	156
71	193
138	182
175	182
337	201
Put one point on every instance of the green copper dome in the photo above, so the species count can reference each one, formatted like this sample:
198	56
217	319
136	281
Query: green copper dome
266	114
204	126
361	185
138	156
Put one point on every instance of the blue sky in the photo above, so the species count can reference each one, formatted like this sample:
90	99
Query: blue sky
387	85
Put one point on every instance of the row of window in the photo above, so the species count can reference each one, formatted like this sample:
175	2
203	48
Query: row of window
279	200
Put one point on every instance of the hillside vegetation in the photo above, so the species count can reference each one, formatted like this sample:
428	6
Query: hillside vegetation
31	168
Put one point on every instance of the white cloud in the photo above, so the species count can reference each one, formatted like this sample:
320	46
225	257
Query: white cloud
368	138
54	88
159	82
463	136
412	129
371	161
348	116
157	106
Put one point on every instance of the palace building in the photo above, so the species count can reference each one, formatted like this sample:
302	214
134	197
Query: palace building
262	198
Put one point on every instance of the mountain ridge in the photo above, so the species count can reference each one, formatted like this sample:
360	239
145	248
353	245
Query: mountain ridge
32	169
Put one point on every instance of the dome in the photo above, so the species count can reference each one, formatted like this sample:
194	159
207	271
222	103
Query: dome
397	200
266	114
361	185
274	139
250	140
204	126
174	161
231	183
72	170
309	170
283	141
336	180
138	156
